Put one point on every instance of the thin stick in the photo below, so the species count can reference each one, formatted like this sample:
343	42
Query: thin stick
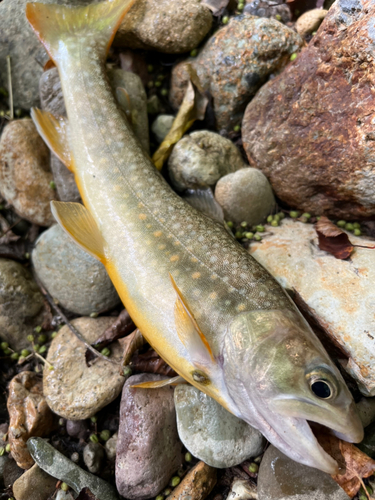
44	360
10	88
363	486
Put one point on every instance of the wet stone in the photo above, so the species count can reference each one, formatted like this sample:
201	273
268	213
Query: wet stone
211	433
196	485
161	126
34	484
93	456
267	8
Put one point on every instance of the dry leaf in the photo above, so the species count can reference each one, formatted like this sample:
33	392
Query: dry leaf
193	108
332	239
86	494
216	6
151	362
130	344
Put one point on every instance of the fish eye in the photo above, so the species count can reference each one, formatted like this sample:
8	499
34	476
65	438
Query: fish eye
321	389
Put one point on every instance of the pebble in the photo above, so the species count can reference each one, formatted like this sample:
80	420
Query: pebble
338	294
367	445
200	159
366	411
111	446
242	490
196	485
93	456
211	433
245	195
29	415
287	130
72	276
25	175
11	472
264	8
161	126
72	389
173	28
3	460
57	465
148	448
34	484
235	62
310	21
21	304
280	478
78	429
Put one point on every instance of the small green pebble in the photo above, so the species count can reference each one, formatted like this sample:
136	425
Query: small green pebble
362	496
257	237
270	218
94	419
230	224
36	347
30	338
278	17
36	369
306	215
356	225
318	217
37	329
64	486
160	78
167	492
193	53
274	223
313	33
61	421
7	448
281	215
243	224
42	338
150	68
2	451
53	335
25	353
21	358
150	84
158	84
7	352
238	235
159	497
249	236
94	315
237	128
188	457
293	57
105	351
18	113
52	185
349	226
225	20
357	232
27	255
14	356
175	481
260	228
164	92
294	214
43	349
341	223
4	345
94	438
127	371
253	467
240	6
105	435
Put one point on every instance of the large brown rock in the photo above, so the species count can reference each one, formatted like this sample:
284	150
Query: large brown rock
311	130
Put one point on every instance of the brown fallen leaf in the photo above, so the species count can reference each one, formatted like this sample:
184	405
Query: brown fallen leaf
332	239
130	344
193	108
151	362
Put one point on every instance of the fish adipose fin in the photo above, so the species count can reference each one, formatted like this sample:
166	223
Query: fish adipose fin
54	132
97	23
77	221
156	384
189	332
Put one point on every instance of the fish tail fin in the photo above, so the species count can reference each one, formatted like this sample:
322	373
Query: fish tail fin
92	25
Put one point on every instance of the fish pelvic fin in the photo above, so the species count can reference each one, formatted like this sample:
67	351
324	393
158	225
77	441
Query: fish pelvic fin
156	384
54	132
77	221
92	24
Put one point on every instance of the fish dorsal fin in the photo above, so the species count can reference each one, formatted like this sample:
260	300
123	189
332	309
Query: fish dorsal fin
156	384
204	201
77	221
54	132
189	332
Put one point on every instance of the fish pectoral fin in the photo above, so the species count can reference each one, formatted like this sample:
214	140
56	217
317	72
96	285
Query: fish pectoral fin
189	332
156	384
125	104
54	132
77	221
204	201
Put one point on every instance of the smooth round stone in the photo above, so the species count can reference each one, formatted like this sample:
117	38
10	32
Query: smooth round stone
211	433
73	390
161	126
72	276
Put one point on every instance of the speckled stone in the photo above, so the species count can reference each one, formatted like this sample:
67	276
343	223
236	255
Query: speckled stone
196	485
211	433
72	276
235	62
34	484
268	8
161	126
72	389
310	21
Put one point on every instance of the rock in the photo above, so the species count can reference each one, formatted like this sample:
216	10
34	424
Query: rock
34	484
242	490
73	390
93	456
57	465
310	21
78	429
293	129
245	195
111	446
160	25
211	433
366	411
264	8
280	478
21	304
72	276
11	472
235	62
196	485
161	126
25	176
367	445
148	448
154	105
199	160
338	294
3	460
28	413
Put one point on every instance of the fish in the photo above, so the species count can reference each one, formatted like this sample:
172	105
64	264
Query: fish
207	307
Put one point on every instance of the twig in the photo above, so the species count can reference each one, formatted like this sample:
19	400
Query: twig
10	88
44	360
363	486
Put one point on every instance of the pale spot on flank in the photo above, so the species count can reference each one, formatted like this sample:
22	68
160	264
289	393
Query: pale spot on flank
161	247
148	242
157	234
196	275
117	188
194	259
142	216
149	226
174	258
213	295
241	307
213	276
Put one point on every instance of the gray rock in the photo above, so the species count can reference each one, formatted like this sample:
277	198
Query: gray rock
72	276
267	8
367	445
280	478
11	472
3	461
211	433
148	448
165	26
338	294
245	195
72	389
200	159
93	456
366	411
34	484
161	126
21	304
242	490
235	62
111	446
57	465
78	429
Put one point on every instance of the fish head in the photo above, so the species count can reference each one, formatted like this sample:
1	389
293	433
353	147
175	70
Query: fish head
280	377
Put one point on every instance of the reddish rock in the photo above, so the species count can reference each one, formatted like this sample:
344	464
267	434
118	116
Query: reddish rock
311	129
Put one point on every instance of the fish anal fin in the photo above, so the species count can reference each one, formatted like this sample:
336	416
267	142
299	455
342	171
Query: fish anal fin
189	332
54	132
77	221
156	384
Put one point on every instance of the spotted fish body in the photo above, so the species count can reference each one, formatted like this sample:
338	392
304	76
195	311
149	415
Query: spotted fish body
205	305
